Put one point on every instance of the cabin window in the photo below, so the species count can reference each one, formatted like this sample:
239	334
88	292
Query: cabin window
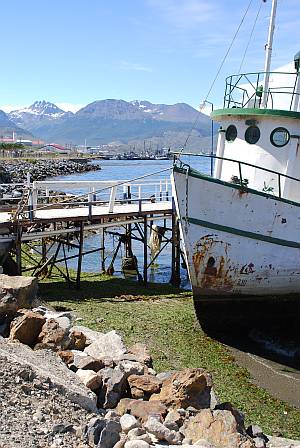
252	135
231	133
280	137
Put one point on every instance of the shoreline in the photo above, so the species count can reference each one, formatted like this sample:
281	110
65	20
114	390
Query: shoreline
15	171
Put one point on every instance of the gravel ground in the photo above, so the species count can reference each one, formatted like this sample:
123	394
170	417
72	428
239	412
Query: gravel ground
34	413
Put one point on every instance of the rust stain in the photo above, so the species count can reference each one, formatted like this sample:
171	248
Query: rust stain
210	267
242	193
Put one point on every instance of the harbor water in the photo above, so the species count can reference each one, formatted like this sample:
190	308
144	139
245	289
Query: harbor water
120	170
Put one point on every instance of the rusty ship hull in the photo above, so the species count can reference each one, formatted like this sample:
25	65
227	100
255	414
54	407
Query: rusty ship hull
241	246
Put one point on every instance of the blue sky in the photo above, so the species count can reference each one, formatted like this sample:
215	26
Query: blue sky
164	51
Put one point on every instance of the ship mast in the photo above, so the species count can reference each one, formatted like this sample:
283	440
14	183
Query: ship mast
269	54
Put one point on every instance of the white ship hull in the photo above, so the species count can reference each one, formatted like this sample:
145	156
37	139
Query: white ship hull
239	244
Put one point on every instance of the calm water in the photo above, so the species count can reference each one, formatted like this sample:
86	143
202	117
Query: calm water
126	170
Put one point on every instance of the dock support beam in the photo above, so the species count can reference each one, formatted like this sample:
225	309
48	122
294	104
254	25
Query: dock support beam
18	251
145	276
80	250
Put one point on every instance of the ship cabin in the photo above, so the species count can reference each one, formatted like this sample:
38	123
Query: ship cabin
259	136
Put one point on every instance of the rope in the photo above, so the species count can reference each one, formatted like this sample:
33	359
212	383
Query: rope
218	72
250	37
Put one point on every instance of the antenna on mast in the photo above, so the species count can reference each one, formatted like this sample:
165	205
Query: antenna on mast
268	48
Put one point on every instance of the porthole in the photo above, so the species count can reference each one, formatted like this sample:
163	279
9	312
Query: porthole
280	137
252	135
231	133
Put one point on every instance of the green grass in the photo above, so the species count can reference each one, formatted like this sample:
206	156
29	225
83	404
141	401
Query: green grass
163	318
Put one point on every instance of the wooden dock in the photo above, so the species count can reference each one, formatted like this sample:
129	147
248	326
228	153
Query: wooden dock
57	222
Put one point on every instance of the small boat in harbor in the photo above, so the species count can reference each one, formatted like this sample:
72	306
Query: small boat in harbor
241	225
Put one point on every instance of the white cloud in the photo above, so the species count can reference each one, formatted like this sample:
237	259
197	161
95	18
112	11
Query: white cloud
132	66
70	107
9	107
185	13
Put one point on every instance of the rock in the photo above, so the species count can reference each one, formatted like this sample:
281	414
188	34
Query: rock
102	433
136	444
161	432
17	292
26	328
110	435
121	442
93	430
280	442
256	431
163	376
173	420
202	443
259	442
141	354
136	433
128	422
78	357
90	335
131	367
218	427
113	385
67	356
109	345
52	337
112	415
77	340
190	387
143	385
89	378
141	409
89	363
63	318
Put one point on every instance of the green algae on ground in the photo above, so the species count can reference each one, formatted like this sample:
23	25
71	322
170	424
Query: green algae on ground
163	318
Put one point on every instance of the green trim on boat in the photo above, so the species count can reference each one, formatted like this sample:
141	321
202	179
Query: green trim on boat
244	233
198	175
246	112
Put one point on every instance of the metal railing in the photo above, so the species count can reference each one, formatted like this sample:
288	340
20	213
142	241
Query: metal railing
43	195
246	90
241	181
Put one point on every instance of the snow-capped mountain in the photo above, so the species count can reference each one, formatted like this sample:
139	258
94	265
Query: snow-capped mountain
115	120
38	112
7	128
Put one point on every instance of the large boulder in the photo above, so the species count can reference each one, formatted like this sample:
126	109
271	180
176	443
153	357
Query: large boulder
161	432
142	386
189	387
107	346
219	427
53	337
102	433
141	409
141	353
17	292
113	386
26	328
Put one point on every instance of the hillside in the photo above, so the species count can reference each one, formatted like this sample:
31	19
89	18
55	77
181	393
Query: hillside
110	120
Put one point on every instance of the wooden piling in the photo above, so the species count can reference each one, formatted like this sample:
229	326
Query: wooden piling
80	250
145	270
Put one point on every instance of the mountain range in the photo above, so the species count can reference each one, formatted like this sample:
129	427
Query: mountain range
111	121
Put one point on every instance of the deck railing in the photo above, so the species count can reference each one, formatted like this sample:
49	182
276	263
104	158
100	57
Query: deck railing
42	195
241	180
246	90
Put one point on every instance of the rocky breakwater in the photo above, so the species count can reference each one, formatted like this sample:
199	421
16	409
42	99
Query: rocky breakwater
16	171
67	385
